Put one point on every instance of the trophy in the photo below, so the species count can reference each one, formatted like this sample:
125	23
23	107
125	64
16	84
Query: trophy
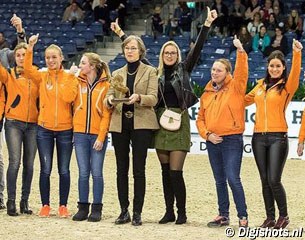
117	83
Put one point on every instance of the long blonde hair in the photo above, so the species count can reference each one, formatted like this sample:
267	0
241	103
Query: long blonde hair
96	61
161	62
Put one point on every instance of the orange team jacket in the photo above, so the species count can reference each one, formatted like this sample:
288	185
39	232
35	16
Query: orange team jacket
90	115
2	101
271	104
57	90
302	129
222	112
22	97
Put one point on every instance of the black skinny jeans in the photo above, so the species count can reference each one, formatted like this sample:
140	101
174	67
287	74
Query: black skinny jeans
270	152
140	140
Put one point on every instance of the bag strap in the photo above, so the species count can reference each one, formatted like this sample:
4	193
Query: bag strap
163	97
165	102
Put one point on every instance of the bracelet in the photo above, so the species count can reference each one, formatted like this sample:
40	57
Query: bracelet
208	21
118	31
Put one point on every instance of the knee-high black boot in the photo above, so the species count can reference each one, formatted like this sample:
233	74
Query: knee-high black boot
168	195
180	194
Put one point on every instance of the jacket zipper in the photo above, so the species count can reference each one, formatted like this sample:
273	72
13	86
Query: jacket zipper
88	111
56	101
265	106
29	100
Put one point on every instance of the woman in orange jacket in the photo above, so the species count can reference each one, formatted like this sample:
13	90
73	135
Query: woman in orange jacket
57	91
221	122
271	96
90	125
21	113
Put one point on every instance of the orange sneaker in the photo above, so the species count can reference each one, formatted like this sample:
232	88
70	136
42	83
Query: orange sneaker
63	212
45	211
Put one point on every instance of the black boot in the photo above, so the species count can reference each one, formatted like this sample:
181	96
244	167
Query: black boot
83	211
169	198
11	208
136	219
2	205
180	194
24	207
96	212
124	217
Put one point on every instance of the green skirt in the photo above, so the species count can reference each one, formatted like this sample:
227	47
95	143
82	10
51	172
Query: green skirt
179	140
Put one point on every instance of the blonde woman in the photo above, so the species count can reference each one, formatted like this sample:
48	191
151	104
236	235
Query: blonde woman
90	126
57	90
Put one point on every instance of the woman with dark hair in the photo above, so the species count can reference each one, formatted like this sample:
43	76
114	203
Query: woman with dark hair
21	113
261	40
271	96
278	42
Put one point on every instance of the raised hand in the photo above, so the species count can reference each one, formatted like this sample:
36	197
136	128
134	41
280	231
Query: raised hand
16	22
211	16
33	40
237	43
296	45
74	70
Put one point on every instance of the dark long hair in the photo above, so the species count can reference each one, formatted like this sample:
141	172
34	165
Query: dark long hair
277	54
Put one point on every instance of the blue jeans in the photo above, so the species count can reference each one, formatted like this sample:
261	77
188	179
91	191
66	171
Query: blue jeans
225	159
89	160
45	142
20	135
1	170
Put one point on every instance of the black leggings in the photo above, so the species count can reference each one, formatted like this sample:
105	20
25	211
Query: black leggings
270	152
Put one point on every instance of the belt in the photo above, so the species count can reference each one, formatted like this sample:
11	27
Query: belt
128	114
279	134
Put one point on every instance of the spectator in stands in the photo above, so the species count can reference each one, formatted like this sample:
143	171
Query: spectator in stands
279	4
118	9
267	9
261	40
73	13
236	16
279	16
278	42
57	90
271	25
21	113
271	96
90	125
295	23
221	23
185	22
7	60
172	28
179	9
157	23
101	14
176	94
3	42
222	124
88	11
254	26
252	8
133	121
245	39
